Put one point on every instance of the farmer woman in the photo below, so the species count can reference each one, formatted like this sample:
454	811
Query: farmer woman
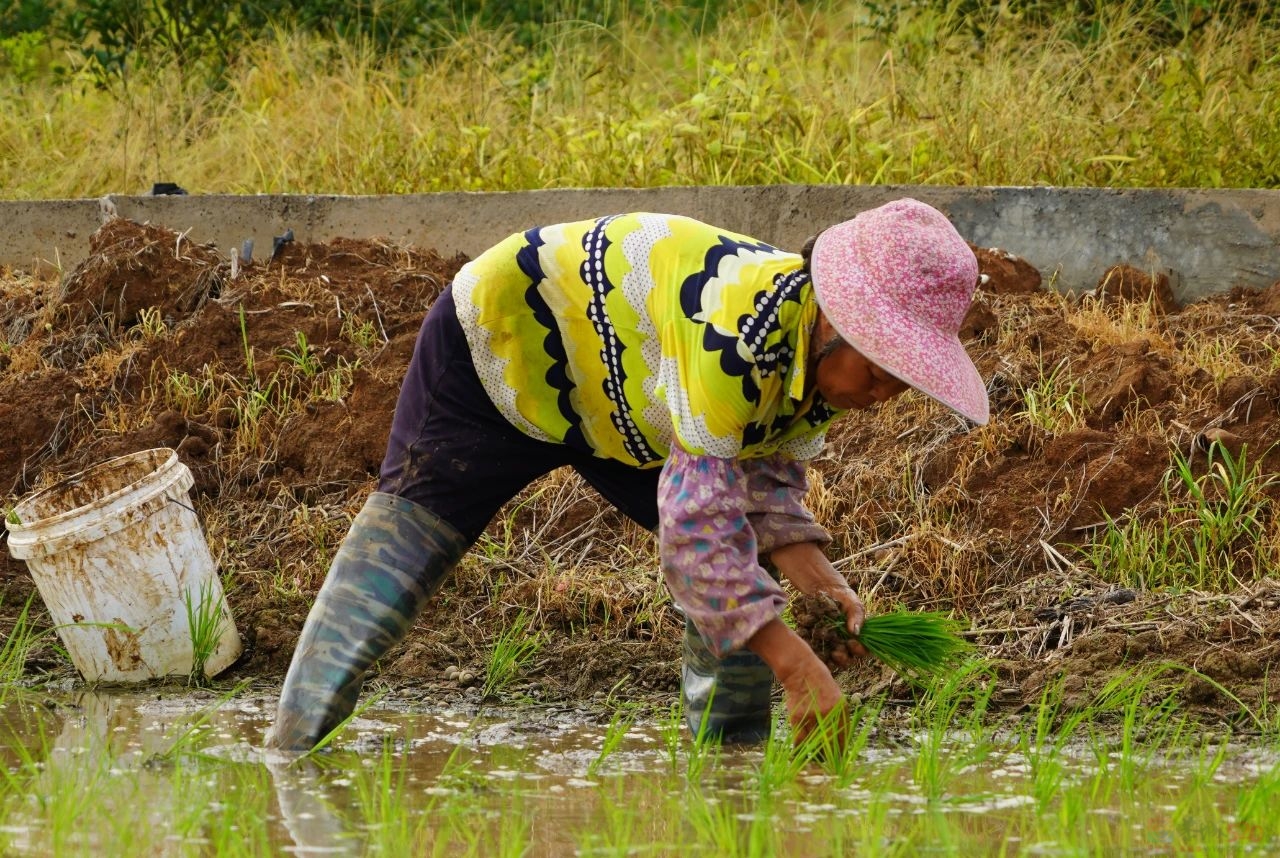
687	373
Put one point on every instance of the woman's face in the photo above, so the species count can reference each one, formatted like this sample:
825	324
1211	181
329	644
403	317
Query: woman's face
845	378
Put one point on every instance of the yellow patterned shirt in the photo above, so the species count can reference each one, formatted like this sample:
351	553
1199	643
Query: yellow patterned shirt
627	335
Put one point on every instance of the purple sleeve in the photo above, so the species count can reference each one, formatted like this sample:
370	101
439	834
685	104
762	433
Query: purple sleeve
776	486
708	551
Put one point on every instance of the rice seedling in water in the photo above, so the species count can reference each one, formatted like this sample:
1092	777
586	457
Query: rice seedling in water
619	724
14	648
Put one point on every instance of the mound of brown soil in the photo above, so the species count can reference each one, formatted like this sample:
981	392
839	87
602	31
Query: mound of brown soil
276	380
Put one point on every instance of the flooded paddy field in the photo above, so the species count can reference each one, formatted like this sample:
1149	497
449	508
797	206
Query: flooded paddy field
1108	542
169	773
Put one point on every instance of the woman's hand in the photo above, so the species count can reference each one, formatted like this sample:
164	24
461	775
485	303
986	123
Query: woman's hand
812	696
807	568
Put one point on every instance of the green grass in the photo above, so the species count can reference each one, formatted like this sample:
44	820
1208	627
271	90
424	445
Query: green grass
1212	535
16	645
785	92
511	651
206	622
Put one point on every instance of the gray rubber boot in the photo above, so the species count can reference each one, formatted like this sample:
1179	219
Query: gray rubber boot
729	699
393	559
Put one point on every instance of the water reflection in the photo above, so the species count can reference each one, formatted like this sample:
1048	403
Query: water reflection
313	823
165	772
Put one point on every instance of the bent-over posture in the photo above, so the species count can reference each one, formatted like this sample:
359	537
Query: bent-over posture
688	373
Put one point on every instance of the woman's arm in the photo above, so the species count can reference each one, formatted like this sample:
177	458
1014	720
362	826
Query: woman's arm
711	566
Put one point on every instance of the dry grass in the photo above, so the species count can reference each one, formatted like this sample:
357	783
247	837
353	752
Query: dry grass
794	93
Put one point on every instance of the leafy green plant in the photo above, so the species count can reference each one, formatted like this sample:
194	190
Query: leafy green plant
304	357
513	649
206	623
15	646
1052	402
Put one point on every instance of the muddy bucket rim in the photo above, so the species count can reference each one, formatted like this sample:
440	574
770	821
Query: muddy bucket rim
83	523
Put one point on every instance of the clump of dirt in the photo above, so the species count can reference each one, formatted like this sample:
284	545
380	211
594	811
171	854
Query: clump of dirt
819	620
276	380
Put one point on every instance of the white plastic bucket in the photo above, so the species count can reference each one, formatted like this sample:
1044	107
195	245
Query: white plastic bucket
121	561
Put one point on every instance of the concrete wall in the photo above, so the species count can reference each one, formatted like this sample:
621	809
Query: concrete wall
1205	240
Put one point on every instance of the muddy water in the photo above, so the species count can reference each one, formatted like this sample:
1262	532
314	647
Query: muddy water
98	773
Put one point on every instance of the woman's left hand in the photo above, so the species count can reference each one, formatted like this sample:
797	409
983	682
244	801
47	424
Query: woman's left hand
807	568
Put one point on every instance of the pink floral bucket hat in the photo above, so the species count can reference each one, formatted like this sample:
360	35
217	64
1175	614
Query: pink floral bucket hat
896	282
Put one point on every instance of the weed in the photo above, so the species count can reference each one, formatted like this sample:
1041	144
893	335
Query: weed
206	622
151	324
1053	403
186	393
336	383
511	652
361	334
304	357
1214	521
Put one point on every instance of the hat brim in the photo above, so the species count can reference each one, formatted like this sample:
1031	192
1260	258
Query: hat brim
899	341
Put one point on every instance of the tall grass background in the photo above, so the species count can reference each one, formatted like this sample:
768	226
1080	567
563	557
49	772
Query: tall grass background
1149	94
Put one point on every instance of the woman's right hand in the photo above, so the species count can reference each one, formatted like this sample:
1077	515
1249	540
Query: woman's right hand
813	699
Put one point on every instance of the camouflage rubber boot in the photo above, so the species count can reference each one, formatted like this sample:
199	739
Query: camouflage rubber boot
393	559
729	698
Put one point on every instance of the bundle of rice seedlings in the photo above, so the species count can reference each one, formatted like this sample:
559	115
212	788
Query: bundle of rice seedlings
913	644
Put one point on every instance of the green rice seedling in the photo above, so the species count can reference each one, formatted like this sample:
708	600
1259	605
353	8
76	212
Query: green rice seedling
1256	804
513	649
206	622
329	738
670	731
15	646
185	740
940	753
619	831
619	724
703	751
915	644
394	830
